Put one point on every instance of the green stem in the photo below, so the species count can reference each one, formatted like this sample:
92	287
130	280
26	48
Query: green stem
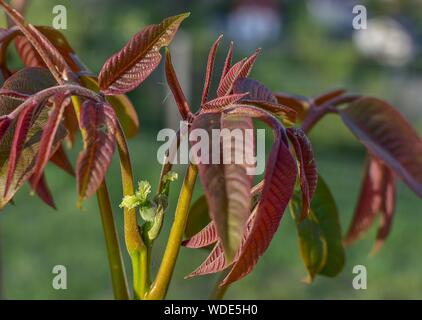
160	285
115	259
219	291
133	239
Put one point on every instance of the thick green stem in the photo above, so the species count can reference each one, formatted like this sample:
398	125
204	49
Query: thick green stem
115	259
133	239
160	285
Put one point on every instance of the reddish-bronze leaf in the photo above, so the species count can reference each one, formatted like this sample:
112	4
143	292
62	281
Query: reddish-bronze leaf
99	125
23	124
370	200
221	102
210	68
176	89
307	167
203	238
387	209
280	179
27	53
129	67
389	136
227	62
60	101
240	69
42	190
227	185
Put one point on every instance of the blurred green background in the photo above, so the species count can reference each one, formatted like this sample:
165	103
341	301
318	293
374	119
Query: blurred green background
309	47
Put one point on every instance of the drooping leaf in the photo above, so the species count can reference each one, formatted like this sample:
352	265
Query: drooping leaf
129	67
60	102
280	178
42	190
123	107
23	125
307	167
215	262
27	81
389	136
387	209
370	199
176	89
210	68
98	122
320	233
227	185
50	55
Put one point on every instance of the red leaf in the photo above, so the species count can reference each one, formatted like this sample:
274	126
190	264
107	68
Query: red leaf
221	102
42	190
308	171
280	178
129	67
227	185
60	101
256	90
227	63
98	122
389	136
370	200
22	127
203	238
210	67
387	208
239	70
177	91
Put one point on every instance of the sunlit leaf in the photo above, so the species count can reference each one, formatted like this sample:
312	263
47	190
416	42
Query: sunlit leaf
280	178
227	185
308	175
389	136
129	67
98	122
